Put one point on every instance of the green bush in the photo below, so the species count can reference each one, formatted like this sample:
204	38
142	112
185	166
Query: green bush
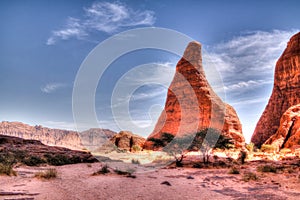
135	161
234	170
136	148
250	147
127	173
242	157
267	148
7	169
248	176
104	170
33	161
48	174
267	168
58	160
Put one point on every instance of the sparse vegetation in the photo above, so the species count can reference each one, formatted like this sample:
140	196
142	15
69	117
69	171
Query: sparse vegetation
165	139
250	147
127	173
104	170
248	176
48	174
267	168
234	170
58	160
209	139
285	151
268	148
242	157
33	161
136	148
135	161
7	169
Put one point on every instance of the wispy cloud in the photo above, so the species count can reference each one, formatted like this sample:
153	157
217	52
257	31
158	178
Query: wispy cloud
249	101
60	125
248	60
103	17
52	87
255	51
244	85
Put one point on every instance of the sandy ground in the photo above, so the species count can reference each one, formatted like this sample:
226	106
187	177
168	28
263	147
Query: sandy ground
76	182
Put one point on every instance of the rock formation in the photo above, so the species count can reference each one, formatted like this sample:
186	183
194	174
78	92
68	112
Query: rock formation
286	92
94	138
288	133
55	137
33	152
192	105
128	141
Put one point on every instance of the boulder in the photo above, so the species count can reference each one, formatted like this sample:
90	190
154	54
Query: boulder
288	133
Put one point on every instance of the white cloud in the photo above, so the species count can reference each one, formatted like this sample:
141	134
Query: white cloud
156	92
251	84
73	29
255	51
247	102
60	125
248	60
52	87
104	17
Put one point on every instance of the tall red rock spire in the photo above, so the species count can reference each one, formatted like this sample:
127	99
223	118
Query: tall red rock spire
286	92
192	105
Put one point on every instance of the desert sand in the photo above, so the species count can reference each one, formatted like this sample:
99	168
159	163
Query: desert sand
77	182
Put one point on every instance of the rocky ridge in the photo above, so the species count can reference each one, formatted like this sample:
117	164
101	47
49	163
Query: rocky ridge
55	137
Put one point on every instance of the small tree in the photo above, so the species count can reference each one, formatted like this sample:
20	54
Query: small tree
208	139
178	147
165	139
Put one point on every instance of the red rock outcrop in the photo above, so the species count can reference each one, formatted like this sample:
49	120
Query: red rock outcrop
127	140
192	105
286	92
56	137
288	133
34	152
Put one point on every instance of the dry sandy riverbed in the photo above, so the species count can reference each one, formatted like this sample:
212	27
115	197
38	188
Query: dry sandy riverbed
76	182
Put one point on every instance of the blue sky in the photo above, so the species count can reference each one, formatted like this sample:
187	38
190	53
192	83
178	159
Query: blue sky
43	44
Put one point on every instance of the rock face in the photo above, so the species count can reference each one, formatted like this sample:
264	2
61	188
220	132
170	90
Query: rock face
34	152
286	92
127	140
192	105
288	133
94	138
54	137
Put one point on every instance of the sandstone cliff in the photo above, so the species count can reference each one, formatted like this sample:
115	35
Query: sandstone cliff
55	137
286	92
192	105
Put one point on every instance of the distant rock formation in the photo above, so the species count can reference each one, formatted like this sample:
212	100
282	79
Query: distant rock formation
94	138
34	152
288	133
192	105
56	137
126	140
286	92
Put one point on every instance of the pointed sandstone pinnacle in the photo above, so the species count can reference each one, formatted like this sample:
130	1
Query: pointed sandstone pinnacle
286	92
192	105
